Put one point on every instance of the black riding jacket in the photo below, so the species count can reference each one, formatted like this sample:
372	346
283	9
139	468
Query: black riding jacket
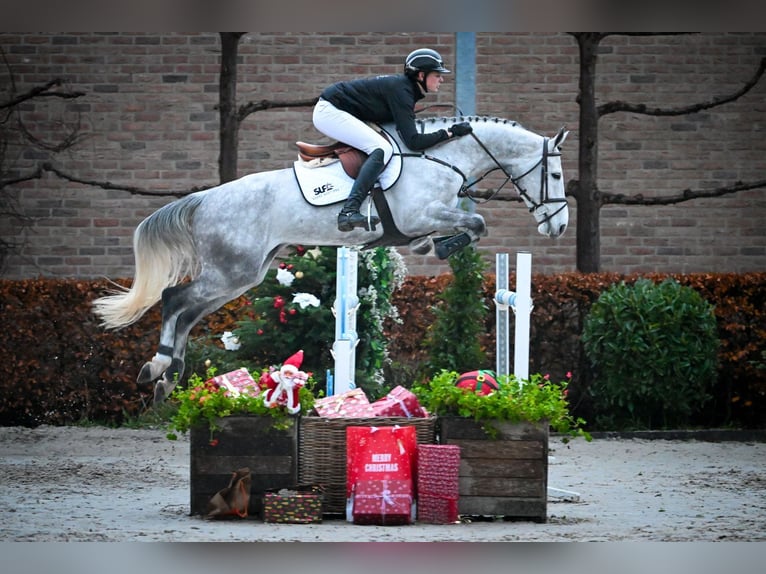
384	99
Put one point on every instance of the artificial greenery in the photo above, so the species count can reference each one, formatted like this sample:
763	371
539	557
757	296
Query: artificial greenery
292	309
536	400
454	339
381	272
653	348
204	402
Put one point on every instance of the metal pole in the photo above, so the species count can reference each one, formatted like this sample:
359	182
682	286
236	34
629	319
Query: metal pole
344	308
501	315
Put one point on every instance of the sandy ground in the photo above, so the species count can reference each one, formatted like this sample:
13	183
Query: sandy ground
121	485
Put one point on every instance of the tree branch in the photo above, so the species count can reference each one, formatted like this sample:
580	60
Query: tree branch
251	107
685	195
41	92
37	174
108	185
620	106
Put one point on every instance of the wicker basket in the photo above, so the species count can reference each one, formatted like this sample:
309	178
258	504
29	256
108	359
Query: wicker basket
322	451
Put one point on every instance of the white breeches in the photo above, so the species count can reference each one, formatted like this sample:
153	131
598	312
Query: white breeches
344	127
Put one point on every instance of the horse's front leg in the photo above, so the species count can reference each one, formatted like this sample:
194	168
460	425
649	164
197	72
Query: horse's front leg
461	228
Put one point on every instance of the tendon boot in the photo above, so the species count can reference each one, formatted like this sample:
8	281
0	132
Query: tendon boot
349	217
446	246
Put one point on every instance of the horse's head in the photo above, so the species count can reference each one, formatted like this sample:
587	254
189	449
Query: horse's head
532	162
541	186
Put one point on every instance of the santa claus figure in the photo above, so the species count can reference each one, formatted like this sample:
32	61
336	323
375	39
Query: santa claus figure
282	387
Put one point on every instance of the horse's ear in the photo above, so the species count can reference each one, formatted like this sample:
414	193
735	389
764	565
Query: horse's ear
560	137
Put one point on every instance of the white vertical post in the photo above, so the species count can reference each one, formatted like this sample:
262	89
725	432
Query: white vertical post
501	316
344	308
523	311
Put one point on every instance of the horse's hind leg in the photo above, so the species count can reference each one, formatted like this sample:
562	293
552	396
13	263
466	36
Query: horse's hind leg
172	306
185	321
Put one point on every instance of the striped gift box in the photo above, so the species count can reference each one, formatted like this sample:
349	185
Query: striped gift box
438	469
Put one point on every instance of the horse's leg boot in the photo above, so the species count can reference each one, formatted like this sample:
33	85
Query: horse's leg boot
349	217
446	246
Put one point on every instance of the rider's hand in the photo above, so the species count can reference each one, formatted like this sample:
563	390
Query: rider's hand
461	129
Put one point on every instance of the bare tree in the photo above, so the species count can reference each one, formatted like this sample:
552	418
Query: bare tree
585	190
232	116
16	141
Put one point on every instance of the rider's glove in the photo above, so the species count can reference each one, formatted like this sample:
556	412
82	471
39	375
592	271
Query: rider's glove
461	129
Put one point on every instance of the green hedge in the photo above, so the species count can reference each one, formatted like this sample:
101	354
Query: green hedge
60	367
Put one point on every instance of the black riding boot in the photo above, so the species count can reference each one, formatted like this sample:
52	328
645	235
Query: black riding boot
349	217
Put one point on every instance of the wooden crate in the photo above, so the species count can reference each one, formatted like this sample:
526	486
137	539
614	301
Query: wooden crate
505	476
322	451
242	441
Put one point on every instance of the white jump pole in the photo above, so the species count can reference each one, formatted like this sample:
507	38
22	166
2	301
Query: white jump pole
521	303
344	309
523	310
502	300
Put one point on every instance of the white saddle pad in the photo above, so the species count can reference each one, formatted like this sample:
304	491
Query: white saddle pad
324	183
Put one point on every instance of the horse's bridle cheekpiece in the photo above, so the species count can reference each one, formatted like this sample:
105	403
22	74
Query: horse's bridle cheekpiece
465	190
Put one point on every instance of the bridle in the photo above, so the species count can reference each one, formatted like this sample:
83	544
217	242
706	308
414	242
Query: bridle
539	210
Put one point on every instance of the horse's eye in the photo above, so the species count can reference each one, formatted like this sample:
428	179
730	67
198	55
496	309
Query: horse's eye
556	175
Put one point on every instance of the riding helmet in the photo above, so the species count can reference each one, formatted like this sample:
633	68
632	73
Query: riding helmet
425	60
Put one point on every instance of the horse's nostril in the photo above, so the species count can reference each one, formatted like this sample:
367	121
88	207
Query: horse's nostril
562	228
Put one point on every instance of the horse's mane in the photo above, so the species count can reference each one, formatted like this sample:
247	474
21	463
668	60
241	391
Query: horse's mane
456	119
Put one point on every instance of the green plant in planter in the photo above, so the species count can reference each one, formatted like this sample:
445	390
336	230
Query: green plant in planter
535	400
203	402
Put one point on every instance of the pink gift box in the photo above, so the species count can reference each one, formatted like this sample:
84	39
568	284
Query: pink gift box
383	502
351	404
400	402
237	382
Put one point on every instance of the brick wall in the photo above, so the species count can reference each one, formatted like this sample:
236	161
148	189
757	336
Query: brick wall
150	120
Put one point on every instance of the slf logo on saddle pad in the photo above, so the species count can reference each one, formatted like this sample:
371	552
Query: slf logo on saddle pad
325	185
325	188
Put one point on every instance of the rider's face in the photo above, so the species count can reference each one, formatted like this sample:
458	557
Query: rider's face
433	81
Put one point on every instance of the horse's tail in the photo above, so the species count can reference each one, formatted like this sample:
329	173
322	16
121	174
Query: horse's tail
164	253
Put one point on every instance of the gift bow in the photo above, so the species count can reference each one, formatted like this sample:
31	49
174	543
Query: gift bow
385	498
401	404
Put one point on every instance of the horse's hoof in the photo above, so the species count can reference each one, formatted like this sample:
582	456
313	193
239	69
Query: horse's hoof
421	245
162	392
146	374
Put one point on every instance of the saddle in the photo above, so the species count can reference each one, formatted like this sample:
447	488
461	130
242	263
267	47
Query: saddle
350	158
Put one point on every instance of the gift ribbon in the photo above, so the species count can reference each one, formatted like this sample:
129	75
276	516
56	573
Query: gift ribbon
385	498
401	404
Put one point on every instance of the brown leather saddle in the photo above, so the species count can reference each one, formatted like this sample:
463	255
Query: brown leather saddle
350	158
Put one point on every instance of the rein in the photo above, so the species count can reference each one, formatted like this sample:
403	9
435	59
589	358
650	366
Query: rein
465	188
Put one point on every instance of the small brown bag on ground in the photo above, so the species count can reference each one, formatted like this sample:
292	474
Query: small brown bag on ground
232	500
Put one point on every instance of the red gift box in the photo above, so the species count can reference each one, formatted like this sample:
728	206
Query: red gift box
380	453
400	402
438	469
237	383
437	509
383	502
351	404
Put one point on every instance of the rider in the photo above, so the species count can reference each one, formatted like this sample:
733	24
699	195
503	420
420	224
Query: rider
344	107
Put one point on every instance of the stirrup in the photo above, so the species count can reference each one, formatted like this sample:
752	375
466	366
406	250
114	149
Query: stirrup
446	246
349	220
